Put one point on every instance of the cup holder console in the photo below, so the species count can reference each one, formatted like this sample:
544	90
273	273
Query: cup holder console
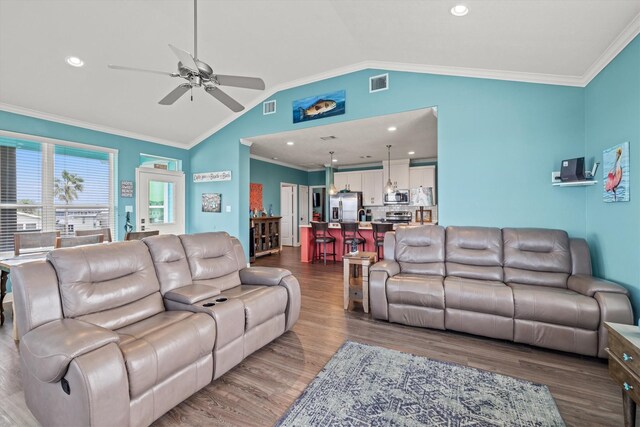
218	301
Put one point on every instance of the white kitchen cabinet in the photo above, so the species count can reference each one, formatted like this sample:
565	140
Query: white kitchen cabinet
348	180
399	173
423	176
372	188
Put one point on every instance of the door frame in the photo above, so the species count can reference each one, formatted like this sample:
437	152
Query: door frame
300	186
294	234
162	173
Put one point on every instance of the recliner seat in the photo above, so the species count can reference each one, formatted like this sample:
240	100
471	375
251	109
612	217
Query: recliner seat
532	286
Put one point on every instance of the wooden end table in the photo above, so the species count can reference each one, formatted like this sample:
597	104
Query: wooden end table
353	293
624	365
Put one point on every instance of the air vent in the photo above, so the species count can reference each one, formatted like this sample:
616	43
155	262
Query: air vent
269	107
378	83
328	138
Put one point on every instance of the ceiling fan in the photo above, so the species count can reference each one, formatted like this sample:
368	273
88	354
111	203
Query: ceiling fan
199	74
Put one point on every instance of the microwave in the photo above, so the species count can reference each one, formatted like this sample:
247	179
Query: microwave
398	197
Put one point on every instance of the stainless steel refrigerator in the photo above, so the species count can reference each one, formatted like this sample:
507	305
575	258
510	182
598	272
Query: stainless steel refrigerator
344	207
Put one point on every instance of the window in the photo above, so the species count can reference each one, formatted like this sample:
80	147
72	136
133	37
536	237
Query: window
51	186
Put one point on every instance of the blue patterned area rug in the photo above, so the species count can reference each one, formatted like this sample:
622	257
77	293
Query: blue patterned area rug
363	385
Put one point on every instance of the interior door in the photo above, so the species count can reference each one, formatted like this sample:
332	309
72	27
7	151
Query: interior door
286	212
160	201
303	209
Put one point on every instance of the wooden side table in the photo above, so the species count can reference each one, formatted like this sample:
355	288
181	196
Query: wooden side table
353	293
624	365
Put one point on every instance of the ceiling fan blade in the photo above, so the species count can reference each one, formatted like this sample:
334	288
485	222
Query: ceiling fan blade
240	81
185	58
175	94
141	70
231	103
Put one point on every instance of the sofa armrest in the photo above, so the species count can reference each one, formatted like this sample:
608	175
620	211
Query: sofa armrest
191	294
614	308
48	350
267	276
589	285
390	267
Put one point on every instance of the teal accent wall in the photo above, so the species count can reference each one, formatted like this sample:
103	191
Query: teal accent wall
270	176
612	116
317	177
129	150
498	142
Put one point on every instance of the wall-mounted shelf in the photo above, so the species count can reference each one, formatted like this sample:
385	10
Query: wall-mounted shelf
574	183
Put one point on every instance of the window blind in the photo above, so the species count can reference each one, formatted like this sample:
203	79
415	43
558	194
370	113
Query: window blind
50	187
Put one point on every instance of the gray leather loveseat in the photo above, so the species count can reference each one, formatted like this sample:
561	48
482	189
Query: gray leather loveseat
531	286
118	334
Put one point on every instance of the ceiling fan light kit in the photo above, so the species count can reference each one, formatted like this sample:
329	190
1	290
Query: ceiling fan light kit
199	74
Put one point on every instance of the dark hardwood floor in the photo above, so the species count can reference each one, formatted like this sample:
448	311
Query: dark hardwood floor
261	388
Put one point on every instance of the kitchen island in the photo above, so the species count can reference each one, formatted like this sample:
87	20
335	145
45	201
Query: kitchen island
366	231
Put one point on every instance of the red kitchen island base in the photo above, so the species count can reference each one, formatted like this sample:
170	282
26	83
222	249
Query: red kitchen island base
306	242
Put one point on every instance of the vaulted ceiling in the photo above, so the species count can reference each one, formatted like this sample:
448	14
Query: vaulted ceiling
282	41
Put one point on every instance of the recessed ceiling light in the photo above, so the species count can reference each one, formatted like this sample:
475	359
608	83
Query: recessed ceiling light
392	128
74	61
459	10
335	160
290	142
274	158
411	153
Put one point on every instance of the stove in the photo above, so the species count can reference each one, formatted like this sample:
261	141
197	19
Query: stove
398	217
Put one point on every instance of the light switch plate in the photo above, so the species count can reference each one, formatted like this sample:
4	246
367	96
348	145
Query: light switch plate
228	209
128	208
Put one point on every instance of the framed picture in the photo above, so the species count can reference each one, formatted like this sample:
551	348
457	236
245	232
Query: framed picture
211	202
319	106
615	162
428	215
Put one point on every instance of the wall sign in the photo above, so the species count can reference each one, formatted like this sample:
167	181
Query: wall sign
212	176
126	188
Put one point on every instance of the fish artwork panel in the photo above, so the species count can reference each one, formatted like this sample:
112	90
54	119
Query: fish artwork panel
319	106
615	161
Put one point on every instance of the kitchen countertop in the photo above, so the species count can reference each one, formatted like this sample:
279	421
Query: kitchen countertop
367	225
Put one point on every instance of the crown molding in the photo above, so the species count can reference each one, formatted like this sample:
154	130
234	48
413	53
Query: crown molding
87	125
617	45
246	142
279	163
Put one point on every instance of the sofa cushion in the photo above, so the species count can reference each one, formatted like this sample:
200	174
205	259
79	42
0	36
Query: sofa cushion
474	252
261	303
536	256
482	296
212	259
170	261
96	279
157	347
556	306
417	290
420	249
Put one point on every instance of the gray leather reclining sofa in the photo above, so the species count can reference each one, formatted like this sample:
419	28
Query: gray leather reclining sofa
531	286
118	334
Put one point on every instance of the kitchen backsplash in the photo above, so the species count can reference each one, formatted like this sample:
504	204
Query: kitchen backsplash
379	212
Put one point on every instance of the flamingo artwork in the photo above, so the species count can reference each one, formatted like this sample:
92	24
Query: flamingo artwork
614	176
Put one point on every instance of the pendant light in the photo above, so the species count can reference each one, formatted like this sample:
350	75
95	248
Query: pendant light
388	188
332	188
